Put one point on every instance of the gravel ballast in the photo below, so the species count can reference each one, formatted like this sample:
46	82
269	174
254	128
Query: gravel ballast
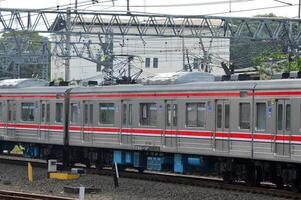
14	177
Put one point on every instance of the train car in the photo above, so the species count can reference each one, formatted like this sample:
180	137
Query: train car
27	117
241	130
238	126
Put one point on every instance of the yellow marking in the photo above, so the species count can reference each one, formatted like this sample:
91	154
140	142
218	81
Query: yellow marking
63	176
30	178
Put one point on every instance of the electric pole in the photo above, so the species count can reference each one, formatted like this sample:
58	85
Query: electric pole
128	7
68	46
299	11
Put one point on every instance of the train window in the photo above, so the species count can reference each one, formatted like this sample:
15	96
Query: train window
260	116
11	111
244	115
1	111
130	114
74	113
219	116
27	112
195	115
171	114
59	112
124	114
288	117
45	112
227	116
88	113
148	114
106	113
279	116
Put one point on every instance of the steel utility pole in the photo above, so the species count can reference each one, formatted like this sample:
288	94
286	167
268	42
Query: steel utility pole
299	11
68	46
128	7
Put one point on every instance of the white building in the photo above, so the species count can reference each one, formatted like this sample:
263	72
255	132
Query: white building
153	55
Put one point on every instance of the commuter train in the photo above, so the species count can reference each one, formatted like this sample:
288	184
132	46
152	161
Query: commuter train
240	130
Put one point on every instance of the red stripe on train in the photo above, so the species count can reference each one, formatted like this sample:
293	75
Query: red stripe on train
157	95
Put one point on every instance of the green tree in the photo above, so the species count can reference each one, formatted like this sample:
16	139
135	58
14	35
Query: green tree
243	51
31	42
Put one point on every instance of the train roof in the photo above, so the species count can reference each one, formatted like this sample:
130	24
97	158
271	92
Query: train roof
195	86
34	90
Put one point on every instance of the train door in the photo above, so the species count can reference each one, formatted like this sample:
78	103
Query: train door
171	120
222	125
44	120
126	123
283	128
11	118
88	121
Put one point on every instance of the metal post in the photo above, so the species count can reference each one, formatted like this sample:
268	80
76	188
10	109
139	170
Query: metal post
81	193
75	6
299	9
128	7
68	38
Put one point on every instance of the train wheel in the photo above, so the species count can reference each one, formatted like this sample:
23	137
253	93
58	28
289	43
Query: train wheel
295	186
279	182
227	176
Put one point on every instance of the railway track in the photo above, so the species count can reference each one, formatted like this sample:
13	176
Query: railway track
207	182
12	195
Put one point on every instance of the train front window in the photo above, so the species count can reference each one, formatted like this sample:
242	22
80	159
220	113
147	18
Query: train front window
106	113
148	114
244	115
59	112
27	112
260	116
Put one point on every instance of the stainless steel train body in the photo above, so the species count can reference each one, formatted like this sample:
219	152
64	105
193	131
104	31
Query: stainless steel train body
256	120
250	120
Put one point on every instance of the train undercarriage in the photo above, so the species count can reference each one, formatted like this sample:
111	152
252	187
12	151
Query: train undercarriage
252	172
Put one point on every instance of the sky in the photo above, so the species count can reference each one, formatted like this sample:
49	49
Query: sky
241	8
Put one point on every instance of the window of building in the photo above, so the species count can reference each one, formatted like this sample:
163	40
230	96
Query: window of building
147	62
260	116
27	112
106	113
288	117
59	112
74	113
156	63
196	115
244	115
148	114
11	111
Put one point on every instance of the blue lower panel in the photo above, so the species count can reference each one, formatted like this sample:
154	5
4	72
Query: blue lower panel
178	163
117	157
